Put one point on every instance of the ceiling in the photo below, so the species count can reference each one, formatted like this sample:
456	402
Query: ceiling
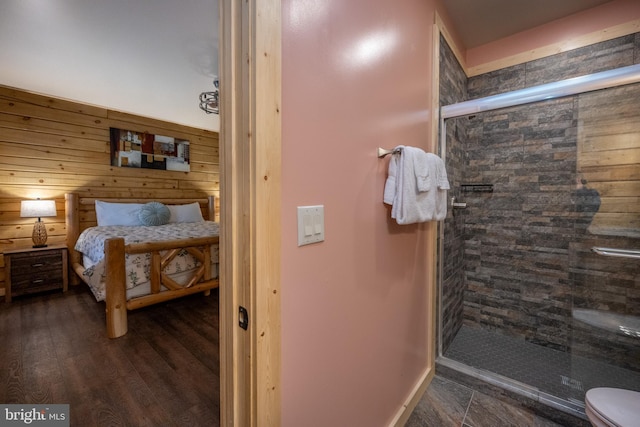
483	21
147	57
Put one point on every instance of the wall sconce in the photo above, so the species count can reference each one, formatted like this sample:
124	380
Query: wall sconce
38	209
210	101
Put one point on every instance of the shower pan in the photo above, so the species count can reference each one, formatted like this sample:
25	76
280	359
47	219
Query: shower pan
539	276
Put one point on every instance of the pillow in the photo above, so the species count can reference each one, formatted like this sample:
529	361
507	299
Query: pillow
154	213
186	213
108	213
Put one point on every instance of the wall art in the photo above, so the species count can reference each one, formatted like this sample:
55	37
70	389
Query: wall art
133	149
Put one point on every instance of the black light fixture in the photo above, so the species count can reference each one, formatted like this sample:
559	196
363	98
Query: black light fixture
210	101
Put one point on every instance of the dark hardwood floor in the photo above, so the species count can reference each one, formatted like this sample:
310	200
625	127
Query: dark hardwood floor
164	372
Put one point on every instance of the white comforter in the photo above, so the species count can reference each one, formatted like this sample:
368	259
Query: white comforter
91	245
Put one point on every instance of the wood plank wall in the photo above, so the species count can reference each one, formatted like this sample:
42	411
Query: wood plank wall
609	155
51	146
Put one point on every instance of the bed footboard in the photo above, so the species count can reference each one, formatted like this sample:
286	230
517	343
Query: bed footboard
115	268
116	288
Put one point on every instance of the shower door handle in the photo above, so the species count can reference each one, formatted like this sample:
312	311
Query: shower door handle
456	205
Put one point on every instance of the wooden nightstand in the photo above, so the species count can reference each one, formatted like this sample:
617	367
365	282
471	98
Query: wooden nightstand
31	270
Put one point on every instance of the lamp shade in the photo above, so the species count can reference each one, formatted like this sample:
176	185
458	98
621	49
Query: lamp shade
37	208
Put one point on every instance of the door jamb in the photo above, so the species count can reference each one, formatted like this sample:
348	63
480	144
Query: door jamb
250	171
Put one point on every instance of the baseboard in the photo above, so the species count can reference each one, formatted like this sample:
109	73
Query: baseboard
403	414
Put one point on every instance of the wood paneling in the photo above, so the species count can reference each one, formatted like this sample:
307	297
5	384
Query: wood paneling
51	146
609	155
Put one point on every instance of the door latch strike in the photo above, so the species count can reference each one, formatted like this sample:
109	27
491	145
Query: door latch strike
243	317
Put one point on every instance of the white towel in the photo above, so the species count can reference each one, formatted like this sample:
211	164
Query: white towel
440	186
391	184
416	186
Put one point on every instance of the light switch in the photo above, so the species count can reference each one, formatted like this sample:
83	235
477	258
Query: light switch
318	224
310	224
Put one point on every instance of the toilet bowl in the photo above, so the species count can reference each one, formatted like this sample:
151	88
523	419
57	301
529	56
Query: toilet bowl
613	407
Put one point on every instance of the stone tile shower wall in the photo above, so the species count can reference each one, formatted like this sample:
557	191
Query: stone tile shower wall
616	53
517	237
527	259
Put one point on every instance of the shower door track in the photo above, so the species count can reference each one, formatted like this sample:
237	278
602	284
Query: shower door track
574	408
573	86
590	82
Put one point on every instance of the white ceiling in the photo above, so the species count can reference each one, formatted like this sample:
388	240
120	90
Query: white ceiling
483	21
146	57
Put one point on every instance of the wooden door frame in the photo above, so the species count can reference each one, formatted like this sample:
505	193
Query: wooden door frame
250	185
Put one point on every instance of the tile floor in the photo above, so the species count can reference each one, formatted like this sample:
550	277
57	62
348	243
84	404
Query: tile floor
447	403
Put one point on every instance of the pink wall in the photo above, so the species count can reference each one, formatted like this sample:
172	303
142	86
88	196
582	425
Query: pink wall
356	75
595	19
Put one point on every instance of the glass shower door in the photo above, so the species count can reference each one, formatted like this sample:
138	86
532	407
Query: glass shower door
530	297
605	256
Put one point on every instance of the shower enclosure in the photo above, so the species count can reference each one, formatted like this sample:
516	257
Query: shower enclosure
539	281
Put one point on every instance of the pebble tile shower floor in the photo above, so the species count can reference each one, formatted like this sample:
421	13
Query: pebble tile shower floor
551	371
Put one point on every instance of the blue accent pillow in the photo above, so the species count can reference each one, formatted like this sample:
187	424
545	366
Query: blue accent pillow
154	213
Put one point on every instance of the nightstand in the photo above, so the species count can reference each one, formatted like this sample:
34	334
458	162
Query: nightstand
30	270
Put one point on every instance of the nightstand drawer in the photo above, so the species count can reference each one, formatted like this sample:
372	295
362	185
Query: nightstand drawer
35	261
36	270
35	284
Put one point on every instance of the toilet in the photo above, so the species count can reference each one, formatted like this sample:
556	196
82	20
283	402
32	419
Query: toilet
613	407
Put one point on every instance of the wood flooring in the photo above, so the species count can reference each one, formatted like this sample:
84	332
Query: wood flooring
164	372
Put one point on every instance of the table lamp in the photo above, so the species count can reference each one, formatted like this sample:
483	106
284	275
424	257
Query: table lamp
38	209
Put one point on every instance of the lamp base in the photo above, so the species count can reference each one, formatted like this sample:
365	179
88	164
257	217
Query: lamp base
39	235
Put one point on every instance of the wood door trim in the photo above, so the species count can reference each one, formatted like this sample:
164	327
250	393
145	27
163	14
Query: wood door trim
250	89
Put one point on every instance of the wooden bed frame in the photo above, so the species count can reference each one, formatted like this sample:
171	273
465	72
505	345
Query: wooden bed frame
115	250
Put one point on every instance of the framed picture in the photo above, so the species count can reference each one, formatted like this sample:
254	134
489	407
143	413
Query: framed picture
131	149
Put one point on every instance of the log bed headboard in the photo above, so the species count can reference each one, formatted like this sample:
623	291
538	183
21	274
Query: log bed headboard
80	214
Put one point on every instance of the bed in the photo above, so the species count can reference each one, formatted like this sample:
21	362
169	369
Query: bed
134	254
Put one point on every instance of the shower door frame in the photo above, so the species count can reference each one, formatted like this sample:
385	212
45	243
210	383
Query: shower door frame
573	86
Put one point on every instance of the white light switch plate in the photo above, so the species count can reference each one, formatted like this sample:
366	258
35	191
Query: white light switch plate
310	224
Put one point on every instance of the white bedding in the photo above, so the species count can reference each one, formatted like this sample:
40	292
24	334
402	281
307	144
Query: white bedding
91	245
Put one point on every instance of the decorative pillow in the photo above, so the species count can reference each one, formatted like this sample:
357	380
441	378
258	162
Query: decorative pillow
154	213
108	213
186	213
